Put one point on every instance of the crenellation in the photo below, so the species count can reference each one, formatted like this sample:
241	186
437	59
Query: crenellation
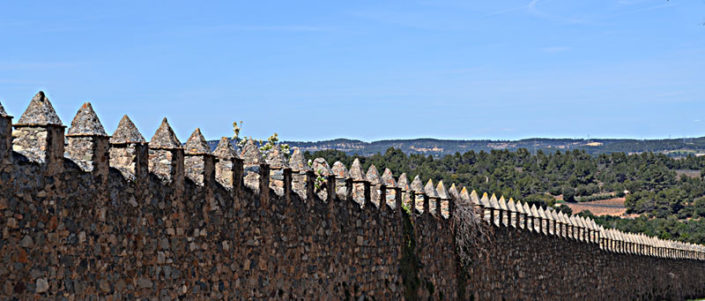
503	212
511	214
59	228
373	177
87	143
278	165
228	167
301	174
361	186
322	170
129	152
418	196
39	135
252	160
486	209
444	200
495	212
433	199
403	184
343	182
389	188
199	163
5	137
521	216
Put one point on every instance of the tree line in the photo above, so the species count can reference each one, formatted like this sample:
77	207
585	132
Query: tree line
670	203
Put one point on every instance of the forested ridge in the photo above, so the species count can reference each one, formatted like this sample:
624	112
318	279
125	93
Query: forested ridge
439	147
667	193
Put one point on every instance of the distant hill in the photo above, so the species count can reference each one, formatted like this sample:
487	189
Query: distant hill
437	147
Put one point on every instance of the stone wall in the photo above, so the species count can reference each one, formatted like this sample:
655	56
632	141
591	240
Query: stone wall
119	218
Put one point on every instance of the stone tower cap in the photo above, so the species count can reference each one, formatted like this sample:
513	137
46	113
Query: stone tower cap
403	182
474	197
510	205
356	172
251	154
297	162
430	190
485	200
502	204
225	149
320	166
541	212
534	211
2	112
417	185
196	144
275	158
388	178
441	190
519	207
126	132
527	209
464	195
372	175
339	170
164	137
39	112
453	191
86	123
494	203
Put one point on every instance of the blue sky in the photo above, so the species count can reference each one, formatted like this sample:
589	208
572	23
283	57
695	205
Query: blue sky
312	70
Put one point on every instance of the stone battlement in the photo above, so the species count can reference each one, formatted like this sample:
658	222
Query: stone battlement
87	214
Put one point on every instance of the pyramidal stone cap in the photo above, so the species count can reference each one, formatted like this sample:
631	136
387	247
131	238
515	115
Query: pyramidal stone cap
534	211
196	144
485	201
40	112
276	159
502	203
430	190
554	215
372	175
388	178
527	210
297	162
465	196
403	182
2	112
251	154
164	137
519	207
441	190
356	172
416	185
86	123
320	166
510	205
474	197
126	132
494	203
339	170
453	191
225	149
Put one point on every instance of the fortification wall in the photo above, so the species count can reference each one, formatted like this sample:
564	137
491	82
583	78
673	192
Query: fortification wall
85	214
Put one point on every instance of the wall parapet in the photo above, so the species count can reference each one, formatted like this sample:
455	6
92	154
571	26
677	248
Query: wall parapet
224	179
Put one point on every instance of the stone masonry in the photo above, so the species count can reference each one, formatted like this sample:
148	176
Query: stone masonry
84	215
